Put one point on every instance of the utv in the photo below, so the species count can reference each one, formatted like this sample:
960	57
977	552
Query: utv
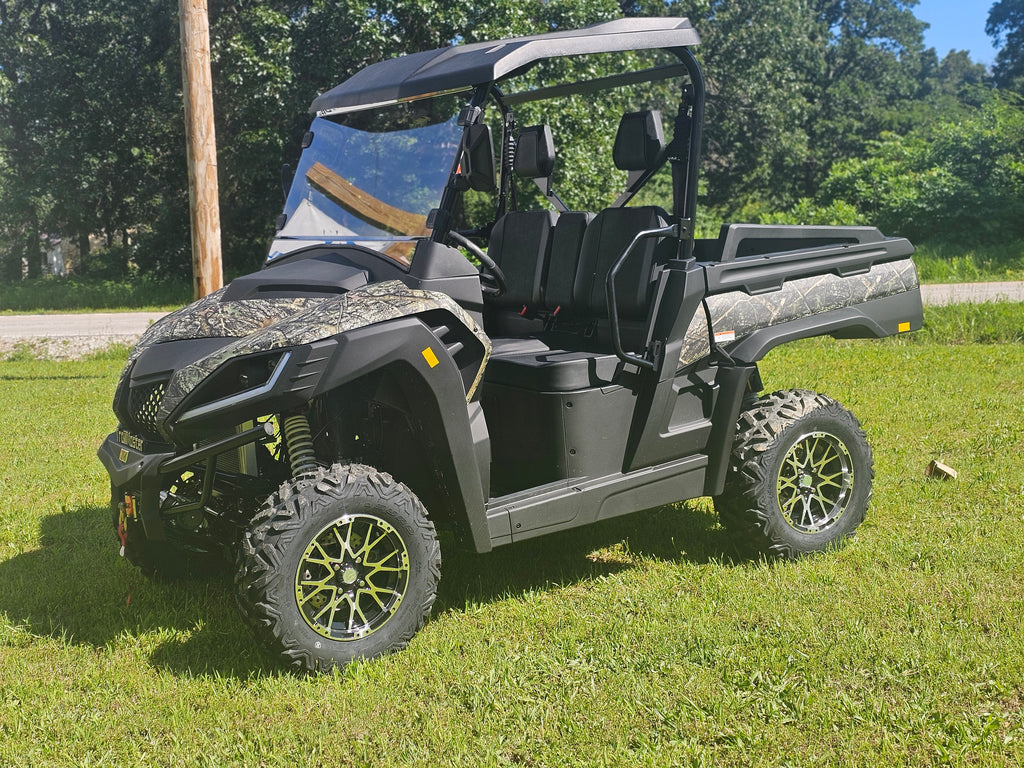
320	420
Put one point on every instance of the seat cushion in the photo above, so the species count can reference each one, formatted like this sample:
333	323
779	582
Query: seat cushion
532	363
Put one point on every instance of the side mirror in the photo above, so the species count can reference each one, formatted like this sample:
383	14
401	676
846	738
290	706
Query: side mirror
477	166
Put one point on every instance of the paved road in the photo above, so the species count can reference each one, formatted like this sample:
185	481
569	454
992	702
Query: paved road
86	324
122	324
972	293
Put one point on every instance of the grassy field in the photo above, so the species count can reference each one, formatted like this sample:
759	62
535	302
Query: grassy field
940	262
83	294
641	641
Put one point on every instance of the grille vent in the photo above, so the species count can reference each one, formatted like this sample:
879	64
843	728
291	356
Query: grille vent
144	405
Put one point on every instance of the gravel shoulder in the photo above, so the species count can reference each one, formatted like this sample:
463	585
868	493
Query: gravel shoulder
61	347
70	337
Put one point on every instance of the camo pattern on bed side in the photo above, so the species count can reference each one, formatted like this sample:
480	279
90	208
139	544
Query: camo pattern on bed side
738	313
325	318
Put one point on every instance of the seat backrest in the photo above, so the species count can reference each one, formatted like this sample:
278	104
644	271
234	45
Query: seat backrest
520	241
535	152
639	145
520	244
606	237
566	242
639	142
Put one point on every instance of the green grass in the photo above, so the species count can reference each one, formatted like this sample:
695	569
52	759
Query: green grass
987	323
640	641
74	294
940	262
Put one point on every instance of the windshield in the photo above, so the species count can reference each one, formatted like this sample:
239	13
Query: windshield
372	177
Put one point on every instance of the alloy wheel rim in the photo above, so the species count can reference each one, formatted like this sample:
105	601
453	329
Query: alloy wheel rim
815	482
352	577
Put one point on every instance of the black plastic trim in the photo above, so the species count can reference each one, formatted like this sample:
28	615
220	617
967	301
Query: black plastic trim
871	319
766	273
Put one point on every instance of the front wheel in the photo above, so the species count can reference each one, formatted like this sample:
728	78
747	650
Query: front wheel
800	475
339	565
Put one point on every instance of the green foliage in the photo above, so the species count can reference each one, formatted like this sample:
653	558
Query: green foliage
792	90
988	323
1005	25
78	293
794	94
835	213
961	179
943	261
251	59
90	150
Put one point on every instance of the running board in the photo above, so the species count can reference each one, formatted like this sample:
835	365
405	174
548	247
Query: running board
570	504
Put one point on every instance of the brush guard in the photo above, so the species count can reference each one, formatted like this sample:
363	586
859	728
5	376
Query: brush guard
129	468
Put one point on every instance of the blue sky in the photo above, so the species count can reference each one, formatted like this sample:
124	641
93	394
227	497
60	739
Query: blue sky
958	24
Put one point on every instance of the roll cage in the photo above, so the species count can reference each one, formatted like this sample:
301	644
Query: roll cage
481	69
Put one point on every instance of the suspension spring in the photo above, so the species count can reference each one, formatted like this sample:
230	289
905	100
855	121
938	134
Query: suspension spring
298	438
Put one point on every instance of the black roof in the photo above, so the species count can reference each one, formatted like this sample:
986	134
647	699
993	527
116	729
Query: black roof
463	66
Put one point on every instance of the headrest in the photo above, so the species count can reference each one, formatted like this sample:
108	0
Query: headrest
535	152
639	142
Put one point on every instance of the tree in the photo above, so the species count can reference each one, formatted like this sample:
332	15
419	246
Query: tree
1005	26
251	50
104	136
759	69
92	140
793	89
961	179
20	45
85	145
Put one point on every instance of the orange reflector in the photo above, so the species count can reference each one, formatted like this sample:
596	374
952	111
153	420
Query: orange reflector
430	357
903	327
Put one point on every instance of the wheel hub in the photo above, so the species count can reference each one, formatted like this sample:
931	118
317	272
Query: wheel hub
814	482
352	577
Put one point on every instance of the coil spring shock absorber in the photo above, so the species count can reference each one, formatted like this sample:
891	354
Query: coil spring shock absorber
298	438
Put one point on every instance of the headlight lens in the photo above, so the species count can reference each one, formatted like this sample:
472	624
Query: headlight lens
236	382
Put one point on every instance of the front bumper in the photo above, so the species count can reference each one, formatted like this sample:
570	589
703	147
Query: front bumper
132	471
145	474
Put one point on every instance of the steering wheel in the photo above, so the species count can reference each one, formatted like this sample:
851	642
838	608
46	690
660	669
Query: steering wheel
492	279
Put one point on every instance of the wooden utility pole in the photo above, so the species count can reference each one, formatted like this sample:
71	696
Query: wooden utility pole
201	142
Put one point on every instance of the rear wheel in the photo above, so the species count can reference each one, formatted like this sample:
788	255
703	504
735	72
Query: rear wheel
339	565
800	475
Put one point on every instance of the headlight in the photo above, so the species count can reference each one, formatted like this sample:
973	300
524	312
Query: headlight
237	382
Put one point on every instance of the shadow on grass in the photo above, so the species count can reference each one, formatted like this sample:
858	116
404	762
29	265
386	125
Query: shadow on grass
75	587
673	533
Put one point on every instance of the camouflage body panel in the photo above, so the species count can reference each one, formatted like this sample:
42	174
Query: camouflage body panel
742	314
210	317
318	319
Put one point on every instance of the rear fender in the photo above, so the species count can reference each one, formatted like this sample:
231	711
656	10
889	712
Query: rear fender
881	302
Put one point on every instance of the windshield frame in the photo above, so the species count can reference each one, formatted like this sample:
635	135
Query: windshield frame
683	156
